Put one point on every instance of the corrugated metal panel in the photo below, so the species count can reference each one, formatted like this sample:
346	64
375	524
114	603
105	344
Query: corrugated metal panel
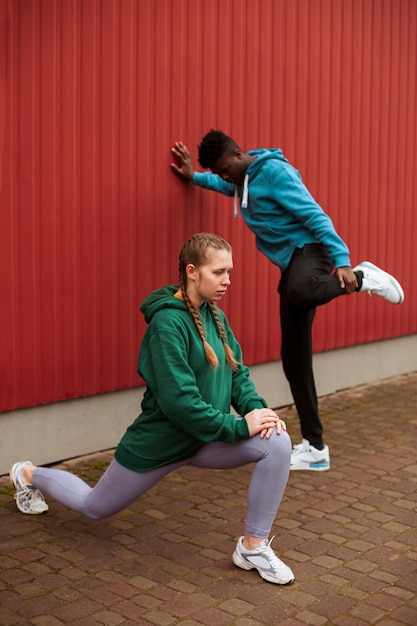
94	93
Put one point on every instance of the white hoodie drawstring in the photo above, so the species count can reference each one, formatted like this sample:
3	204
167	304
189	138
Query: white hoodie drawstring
245	192
244	197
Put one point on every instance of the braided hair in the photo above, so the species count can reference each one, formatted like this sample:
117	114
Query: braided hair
195	251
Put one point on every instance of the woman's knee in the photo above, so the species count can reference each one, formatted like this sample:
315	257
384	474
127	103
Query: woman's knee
279	448
98	509
96	514
285	444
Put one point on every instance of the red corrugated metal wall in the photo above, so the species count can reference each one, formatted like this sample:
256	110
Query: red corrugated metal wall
93	95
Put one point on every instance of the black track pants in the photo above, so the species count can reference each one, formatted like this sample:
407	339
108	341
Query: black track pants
308	282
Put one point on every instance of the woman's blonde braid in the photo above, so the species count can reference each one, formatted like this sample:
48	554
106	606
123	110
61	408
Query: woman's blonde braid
209	352
230	357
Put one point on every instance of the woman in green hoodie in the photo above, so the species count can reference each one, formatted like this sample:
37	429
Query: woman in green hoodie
193	368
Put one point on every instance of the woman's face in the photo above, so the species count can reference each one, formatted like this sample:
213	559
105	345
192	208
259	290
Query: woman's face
209	281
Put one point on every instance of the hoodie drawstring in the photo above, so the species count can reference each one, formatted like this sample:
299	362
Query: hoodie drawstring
245	192
244	197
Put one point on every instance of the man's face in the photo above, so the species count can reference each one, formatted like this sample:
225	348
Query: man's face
231	167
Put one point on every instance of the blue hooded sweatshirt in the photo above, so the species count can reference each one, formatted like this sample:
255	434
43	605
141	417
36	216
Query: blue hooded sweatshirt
279	209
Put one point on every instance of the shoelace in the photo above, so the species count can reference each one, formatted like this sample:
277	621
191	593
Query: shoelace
36	497
300	447
22	490
275	561
28	494
374	285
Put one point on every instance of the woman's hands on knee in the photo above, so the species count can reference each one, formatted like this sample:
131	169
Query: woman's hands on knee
264	421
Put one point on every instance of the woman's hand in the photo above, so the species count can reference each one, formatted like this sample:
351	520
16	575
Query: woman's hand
264	421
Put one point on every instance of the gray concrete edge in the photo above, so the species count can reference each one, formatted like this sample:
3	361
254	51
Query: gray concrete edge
54	432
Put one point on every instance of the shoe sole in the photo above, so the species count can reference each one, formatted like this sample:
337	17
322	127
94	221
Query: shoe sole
394	282
30	512
310	468
239	562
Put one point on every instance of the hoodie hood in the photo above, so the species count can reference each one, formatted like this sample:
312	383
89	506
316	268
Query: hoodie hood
162	298
263	154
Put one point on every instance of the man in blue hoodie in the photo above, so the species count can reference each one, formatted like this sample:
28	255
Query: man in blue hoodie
294	232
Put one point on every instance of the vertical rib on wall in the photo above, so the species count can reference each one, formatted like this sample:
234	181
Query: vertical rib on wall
93	95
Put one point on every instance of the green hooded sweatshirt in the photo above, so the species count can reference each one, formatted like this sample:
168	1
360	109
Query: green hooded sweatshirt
187	402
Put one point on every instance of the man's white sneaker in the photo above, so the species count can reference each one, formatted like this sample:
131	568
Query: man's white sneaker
264	559
306	457
379	283
28	500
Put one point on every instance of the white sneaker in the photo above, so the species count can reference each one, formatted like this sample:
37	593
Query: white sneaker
28	500
264	559
379	283
306	457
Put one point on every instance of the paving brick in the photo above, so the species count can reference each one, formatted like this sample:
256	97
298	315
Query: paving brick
276	612
77	610
347	620
46	620
29	590
235	606
312	619
160	618
9	618
333	606
244	621
385	601
368	614
108	618
351	591
300	598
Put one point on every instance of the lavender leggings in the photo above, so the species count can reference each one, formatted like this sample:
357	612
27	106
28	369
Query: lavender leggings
119	486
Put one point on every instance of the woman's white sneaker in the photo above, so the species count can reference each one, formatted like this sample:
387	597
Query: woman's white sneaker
264	559
28	499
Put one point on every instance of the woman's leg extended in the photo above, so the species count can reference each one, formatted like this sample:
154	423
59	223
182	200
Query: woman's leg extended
272	459
117	488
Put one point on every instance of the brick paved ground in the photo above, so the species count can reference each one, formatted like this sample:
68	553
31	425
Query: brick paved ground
350	536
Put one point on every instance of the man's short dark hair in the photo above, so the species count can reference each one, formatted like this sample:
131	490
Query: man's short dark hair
213	146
